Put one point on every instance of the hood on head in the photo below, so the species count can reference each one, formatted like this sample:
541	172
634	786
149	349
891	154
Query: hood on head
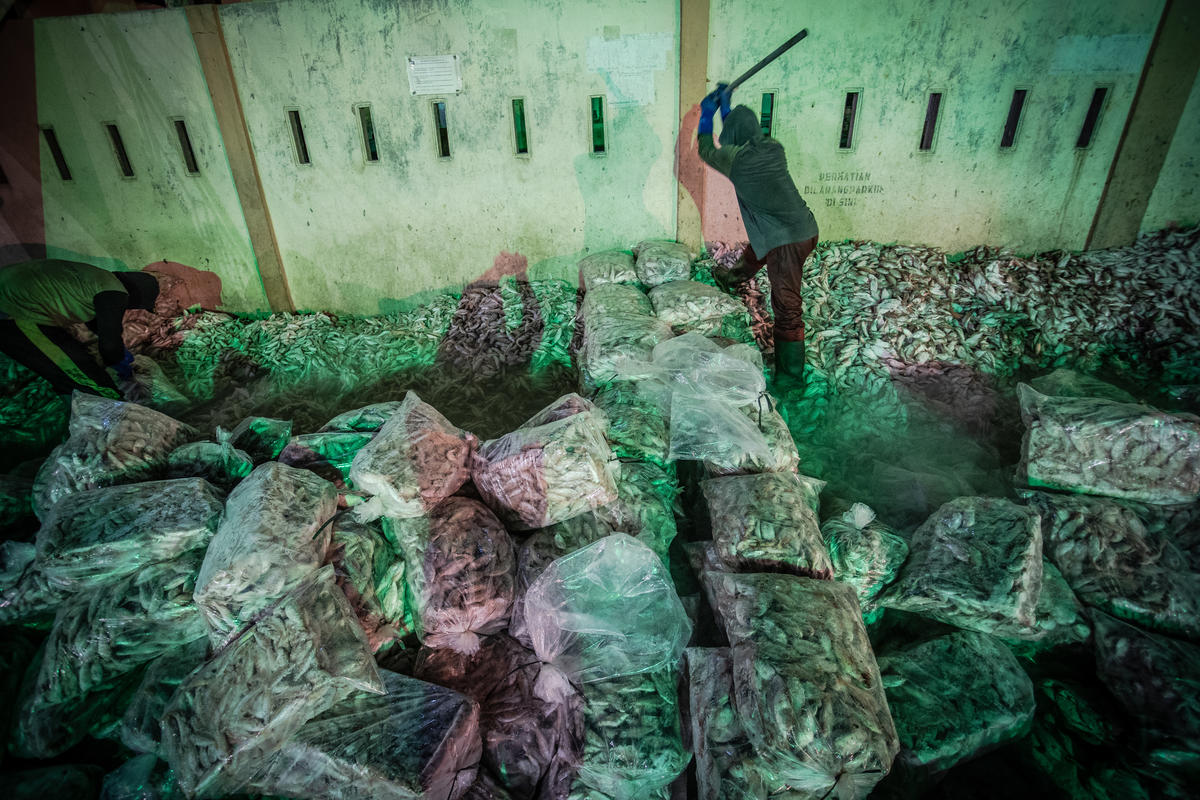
740	127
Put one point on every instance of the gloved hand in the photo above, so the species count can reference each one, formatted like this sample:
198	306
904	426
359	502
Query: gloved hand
725	94
708	107
124	367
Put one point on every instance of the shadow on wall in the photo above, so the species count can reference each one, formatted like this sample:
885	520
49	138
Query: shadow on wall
181	287
713	194
504	265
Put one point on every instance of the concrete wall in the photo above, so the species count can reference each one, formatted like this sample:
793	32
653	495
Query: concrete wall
138	71
1176	196
1042	194
358	236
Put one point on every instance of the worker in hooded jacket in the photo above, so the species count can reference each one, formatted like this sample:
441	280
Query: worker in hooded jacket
39	299
779	224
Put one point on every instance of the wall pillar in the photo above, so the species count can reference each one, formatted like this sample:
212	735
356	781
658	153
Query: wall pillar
206	31
1167	78
693	83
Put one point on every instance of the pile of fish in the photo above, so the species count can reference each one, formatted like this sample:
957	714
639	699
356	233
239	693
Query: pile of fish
953	328
259	635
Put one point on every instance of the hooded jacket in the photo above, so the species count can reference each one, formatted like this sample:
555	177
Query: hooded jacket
772	209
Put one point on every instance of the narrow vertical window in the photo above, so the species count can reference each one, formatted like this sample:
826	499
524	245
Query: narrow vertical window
185	145
3	178
1009	138
846	141
443	132
767	114
931	119
1092	118
56	153
598	143
301	146
520	134
118	146
370	148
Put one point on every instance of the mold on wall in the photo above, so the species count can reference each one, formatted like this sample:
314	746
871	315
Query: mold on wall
137	74
966	190
357	235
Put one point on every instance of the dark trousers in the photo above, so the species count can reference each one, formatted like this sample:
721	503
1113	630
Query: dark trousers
785	271
57	356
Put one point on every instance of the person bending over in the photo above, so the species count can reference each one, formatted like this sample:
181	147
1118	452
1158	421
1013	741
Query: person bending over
39	299
779	224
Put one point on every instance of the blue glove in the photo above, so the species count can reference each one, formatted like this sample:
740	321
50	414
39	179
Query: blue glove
726	94
708	107
124	367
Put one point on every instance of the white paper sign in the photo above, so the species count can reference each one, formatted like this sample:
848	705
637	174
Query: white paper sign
434	75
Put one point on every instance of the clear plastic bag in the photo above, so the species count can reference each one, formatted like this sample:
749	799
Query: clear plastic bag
533	747
272	536
632	742
417	459
141	726
619	347
27	595
1154	678
610	266
263	438
1102	447
1114	563
783	455
414	741
564	407
764	523
143	777
614	299
218	462
698	367
865	553
1059	619
727	767
694	307
151	387
660	262
329	454
1065	382
46	730
103	633
368	419
604	611
976	561
109	442
637	428
301	657
806	684
534	477
716	433
644	508
460	569
954	697
542	548
372	575
102	535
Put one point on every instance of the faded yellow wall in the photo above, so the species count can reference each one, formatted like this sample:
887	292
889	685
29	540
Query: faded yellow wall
1041	195
137	70
1176	196
359	237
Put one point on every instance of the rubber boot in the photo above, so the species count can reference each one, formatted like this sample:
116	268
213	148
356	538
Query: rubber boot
789	367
